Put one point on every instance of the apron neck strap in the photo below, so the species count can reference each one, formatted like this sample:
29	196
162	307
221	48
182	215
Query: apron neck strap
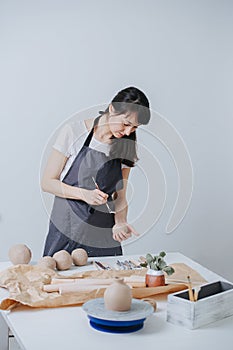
89	137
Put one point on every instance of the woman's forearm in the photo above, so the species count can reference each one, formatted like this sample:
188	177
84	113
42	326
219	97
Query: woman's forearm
121	208
62	190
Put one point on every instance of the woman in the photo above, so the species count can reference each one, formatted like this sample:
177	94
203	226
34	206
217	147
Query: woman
87	172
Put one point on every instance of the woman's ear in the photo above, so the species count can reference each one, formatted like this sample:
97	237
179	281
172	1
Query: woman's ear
111	109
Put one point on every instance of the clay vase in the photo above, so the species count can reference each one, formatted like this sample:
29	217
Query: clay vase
155	278
118	296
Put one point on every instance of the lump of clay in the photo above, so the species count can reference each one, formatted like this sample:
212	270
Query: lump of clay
48	262
79	256
63	260
120	227
19	254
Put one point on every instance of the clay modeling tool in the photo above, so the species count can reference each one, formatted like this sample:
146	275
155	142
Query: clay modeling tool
101	265
131	266
142	259
191	297
124	264
108	207
120	264
127	265
96	265
108	267
135	264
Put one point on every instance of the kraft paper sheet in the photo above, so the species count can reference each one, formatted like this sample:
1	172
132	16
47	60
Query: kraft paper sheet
25	285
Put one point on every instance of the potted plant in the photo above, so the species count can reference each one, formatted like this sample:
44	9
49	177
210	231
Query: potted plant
157	266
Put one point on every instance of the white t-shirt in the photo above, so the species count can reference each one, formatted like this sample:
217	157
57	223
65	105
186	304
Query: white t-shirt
70	140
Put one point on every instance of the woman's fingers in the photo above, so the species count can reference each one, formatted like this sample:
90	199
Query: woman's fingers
123	231
94	197
120	237
117	238
100	197
101	194
123	235
131	229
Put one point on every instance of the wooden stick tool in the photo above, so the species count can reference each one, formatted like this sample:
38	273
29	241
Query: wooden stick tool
191	296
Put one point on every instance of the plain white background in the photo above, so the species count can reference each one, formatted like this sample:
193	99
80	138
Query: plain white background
61	57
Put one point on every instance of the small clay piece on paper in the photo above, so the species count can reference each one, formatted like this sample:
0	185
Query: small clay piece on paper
19	254
63	260
79	256
118	296
46	279
47	261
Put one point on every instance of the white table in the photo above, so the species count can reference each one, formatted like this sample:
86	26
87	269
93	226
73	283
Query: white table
68	327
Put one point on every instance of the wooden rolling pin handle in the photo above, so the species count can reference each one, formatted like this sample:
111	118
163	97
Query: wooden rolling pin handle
152	302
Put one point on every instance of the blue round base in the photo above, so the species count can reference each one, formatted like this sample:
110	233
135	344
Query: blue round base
116	326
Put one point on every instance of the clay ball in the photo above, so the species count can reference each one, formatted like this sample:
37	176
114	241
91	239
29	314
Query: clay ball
120	227
79	256
63	260
19	254
48	262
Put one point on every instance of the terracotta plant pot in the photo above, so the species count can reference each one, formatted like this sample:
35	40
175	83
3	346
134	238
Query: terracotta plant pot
155	278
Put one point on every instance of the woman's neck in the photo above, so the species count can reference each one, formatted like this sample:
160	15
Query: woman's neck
102	131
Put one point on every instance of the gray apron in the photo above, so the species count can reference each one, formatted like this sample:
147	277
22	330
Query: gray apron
74	223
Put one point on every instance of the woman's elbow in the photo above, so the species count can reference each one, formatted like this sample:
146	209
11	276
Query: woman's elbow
44	185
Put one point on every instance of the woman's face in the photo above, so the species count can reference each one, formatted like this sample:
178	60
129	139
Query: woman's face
122	124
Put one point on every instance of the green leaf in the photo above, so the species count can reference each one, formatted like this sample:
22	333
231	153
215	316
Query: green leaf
144	264
149	258
169	270
157	262
162	254
162	264
153	266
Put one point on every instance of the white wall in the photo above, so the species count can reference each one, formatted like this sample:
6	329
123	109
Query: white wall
60	57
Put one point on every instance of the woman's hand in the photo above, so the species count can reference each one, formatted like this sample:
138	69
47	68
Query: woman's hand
93	197
122	231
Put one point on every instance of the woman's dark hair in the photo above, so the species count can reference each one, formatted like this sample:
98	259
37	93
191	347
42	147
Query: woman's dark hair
129	100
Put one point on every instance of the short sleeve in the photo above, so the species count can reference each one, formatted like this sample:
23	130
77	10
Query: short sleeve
64	140
125	166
